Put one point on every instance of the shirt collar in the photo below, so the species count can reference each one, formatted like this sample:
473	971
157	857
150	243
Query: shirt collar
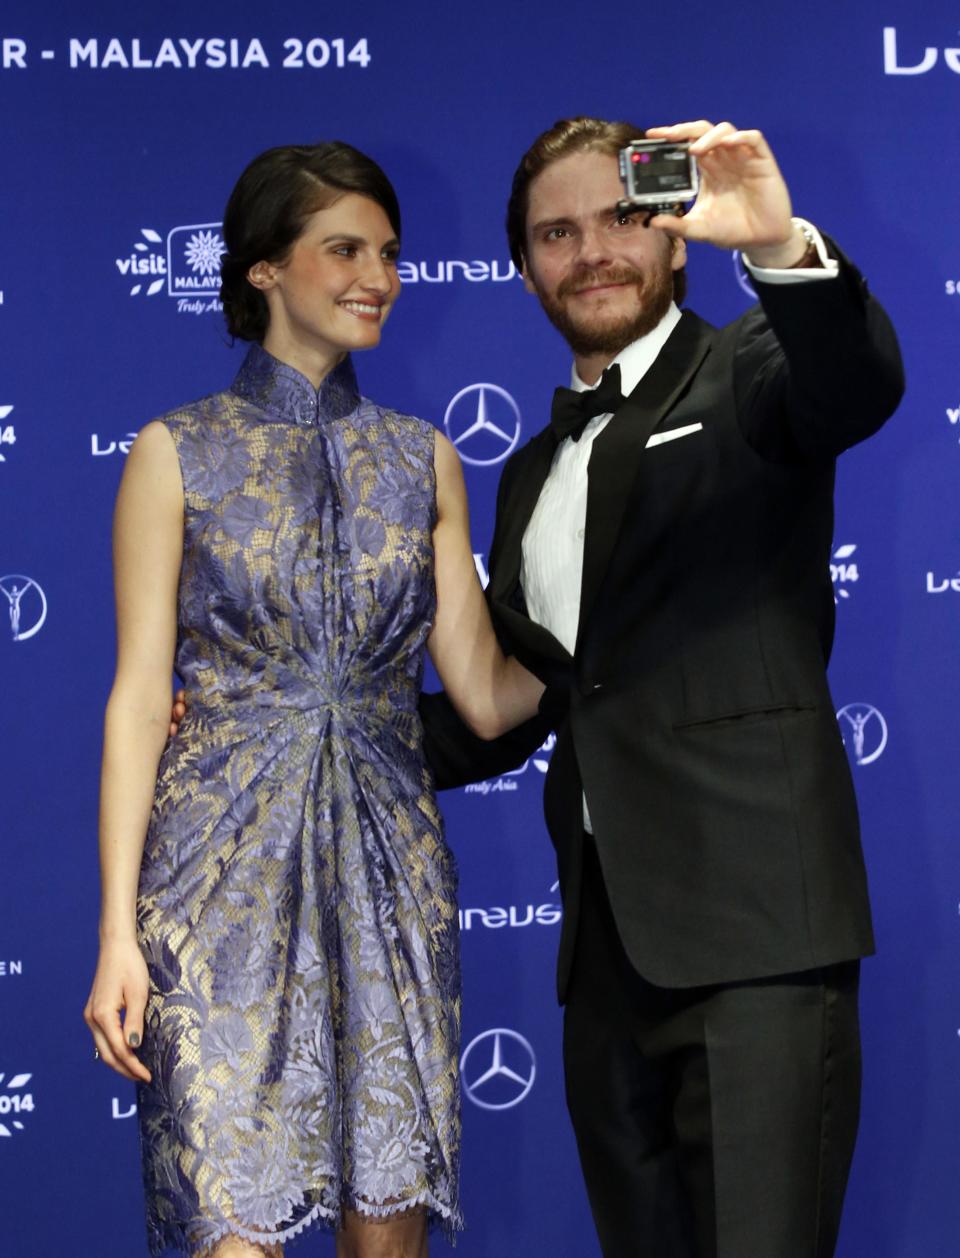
638	357
285	394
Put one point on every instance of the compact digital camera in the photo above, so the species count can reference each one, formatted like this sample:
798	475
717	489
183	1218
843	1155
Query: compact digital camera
659	176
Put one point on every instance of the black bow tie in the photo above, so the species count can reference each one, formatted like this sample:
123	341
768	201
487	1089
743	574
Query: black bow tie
572	411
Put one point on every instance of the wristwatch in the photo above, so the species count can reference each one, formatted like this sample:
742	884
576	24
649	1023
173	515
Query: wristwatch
811	255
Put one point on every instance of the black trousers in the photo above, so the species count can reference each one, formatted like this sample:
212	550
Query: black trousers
713	1122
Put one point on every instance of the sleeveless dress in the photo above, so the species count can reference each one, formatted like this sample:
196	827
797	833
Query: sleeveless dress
297	905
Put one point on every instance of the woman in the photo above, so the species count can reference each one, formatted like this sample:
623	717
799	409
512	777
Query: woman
291	548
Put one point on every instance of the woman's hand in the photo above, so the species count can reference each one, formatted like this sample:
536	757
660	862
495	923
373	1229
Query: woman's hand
121	983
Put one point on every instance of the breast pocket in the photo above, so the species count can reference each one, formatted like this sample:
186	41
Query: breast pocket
678	433
677	465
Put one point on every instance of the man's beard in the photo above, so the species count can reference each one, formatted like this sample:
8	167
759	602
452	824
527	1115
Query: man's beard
602	335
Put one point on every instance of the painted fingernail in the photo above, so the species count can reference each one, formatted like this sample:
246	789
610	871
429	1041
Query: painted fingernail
134	1040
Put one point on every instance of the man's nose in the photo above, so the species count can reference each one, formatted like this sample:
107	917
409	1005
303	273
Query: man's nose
594	247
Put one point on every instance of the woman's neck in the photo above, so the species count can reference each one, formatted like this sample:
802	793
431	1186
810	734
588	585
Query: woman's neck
311	361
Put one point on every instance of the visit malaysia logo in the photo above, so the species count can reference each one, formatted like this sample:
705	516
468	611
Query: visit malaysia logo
15	1104
844	570
8	435
508	781
184	265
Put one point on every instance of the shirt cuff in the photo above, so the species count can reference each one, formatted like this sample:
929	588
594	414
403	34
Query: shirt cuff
829	269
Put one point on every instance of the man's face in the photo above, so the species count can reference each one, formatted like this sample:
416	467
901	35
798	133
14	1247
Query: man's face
603	278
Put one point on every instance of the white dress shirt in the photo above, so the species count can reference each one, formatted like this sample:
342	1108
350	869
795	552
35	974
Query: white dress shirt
551	565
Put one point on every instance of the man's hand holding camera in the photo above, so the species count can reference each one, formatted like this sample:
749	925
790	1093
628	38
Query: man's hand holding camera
743	202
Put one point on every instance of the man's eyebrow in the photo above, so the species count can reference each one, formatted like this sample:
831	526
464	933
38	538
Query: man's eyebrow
559	221
610	211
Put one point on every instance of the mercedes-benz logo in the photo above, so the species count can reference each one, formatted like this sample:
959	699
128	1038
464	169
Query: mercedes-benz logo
498	1069
867	730
485	428
27	605
743	275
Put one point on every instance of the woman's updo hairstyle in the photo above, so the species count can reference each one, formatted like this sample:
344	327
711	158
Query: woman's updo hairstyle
269	207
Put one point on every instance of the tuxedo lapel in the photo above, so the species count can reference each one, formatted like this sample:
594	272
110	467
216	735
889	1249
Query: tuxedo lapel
505	593
616	453
516	512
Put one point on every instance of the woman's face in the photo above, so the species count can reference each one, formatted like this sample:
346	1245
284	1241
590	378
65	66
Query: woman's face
336	288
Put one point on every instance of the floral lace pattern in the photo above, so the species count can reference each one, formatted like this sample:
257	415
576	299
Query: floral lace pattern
297	898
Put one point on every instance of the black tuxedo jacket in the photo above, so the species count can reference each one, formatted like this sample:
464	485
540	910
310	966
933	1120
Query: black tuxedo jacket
695	712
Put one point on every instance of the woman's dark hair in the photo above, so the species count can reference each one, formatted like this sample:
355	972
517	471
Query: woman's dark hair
269	208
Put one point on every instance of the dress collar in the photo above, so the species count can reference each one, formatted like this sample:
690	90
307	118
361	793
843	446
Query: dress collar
285	394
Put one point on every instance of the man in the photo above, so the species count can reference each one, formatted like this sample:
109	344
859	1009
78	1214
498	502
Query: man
662	563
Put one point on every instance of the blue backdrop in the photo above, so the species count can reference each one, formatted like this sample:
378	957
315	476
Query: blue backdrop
123	129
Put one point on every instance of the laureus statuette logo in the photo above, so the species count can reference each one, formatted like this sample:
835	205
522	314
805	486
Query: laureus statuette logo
26	605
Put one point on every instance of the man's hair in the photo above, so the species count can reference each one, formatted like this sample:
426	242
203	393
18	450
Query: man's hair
569	135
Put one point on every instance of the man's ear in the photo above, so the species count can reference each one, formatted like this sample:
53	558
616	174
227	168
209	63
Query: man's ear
262	275
678	259
528	283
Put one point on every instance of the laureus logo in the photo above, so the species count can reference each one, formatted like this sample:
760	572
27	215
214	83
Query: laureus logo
26	604
864	731
514	916
942	585
928	58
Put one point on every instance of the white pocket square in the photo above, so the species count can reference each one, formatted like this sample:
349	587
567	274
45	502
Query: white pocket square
672	434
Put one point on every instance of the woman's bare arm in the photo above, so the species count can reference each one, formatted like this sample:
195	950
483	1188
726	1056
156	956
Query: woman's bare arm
491	692
147	549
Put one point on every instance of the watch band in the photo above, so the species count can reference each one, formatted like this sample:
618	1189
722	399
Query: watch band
811	255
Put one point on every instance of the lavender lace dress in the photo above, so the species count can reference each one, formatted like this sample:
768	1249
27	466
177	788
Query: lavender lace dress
297	899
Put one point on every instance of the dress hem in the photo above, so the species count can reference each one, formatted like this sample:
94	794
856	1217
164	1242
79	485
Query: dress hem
448	1219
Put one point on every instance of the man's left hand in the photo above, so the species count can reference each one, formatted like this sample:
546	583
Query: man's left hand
177	712
743	202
